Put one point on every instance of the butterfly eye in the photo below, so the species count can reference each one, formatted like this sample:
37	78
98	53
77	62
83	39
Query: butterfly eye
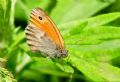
40	17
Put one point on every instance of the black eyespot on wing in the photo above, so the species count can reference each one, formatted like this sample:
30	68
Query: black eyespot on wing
40	17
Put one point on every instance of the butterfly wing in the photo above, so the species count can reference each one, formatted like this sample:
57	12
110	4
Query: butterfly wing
41	20
38	41
42	35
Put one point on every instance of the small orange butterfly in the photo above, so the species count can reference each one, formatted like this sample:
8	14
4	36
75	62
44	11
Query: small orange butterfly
42	35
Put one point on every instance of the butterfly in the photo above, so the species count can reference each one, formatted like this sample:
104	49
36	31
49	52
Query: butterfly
43	36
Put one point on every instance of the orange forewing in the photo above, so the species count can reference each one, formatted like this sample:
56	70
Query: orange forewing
47	26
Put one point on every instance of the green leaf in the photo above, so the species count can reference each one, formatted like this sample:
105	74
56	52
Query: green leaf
94	35
47	66
99	20
96	71
71	10
6	21
92	44
64	66
105	51
103	19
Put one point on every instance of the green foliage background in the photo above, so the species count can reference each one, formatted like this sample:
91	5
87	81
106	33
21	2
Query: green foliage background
91	31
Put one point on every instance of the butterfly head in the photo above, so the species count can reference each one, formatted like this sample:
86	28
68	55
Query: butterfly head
62	53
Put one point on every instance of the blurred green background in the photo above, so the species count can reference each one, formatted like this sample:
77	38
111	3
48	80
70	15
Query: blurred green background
91	31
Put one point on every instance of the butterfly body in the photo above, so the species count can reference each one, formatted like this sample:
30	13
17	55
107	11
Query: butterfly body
42	35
